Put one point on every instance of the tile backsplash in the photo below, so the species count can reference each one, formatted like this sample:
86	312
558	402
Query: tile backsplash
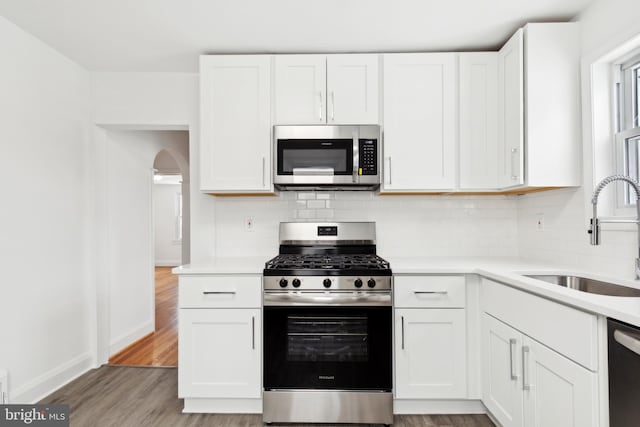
406	225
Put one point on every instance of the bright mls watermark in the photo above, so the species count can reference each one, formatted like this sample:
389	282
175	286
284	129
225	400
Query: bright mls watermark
34	415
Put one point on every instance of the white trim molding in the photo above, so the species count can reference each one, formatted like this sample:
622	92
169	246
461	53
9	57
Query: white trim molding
45	384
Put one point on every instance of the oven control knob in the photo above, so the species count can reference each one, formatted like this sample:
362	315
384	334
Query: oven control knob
371	283
283	283
358	283
296	283
326	283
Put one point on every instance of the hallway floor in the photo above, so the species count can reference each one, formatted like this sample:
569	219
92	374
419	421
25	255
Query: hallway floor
159	348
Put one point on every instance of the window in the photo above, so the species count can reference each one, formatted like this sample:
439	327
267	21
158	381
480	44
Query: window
628	124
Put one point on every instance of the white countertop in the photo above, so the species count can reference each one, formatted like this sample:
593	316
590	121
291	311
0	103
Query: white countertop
224	265
504	270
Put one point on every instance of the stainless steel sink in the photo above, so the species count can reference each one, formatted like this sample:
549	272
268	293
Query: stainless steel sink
587	285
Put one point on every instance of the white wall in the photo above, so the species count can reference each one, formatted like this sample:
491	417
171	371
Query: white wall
161	101
605	25
44	297
129	187
168	250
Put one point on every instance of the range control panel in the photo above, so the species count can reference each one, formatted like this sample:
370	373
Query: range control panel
368	157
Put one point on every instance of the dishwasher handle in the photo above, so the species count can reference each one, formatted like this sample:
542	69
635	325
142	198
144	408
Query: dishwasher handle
630	342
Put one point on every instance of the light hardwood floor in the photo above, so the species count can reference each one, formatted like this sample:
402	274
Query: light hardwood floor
159	348
132	396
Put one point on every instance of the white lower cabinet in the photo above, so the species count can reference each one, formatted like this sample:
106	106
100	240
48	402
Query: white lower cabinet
430	353
430	337
219	353
219	343
526	384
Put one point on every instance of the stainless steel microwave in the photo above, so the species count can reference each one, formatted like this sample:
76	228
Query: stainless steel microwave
326	157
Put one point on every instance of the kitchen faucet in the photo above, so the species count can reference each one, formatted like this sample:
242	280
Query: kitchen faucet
594	229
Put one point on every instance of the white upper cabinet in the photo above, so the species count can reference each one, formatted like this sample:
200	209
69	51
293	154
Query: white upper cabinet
419	122
235	123
511	111
538	106
478	89
352	89
334	89
301	90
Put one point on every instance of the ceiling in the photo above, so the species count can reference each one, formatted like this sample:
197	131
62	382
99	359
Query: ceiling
168	35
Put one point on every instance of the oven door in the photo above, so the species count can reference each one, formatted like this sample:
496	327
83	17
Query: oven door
327	347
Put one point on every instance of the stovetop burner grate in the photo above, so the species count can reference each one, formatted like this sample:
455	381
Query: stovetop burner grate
327	262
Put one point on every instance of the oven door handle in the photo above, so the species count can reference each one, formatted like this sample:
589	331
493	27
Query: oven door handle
328	298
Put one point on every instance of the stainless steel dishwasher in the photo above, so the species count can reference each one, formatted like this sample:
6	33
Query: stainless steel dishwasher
624	374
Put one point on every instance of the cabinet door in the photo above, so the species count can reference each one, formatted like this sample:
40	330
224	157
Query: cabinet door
235	119
511	112
419	121
430	354
501	371
478	120
300	89
219	353
557	391
352	89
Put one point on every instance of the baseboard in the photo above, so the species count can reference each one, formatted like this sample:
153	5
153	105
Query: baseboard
42	386
415	406
129	338
168	263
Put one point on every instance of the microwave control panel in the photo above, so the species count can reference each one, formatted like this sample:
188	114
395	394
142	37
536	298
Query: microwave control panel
368	157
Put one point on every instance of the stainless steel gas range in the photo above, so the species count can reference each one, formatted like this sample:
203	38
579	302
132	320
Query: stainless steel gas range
327	326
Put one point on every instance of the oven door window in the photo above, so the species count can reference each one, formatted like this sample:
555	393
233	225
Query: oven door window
327	339
327	348
315	156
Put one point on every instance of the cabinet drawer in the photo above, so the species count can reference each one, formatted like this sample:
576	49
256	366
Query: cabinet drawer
220	291
567	330
429	291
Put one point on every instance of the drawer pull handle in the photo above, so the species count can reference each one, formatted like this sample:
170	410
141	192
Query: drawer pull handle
402	328
431	292
219	292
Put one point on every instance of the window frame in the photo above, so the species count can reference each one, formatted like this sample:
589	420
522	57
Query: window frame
626	124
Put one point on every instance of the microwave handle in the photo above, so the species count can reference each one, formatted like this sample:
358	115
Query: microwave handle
356	157
313	171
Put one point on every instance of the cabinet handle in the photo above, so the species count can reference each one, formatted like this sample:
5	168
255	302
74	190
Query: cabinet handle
253	332
402	330
514	158
320	109
525	369
431	292
219	292
264	161
333	107
512	346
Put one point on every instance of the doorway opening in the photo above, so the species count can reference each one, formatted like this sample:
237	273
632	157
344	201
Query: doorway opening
148	236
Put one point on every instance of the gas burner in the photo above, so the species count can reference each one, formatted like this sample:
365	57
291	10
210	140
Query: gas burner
307	264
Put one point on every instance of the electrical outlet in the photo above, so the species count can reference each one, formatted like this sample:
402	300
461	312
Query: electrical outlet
540	222
248	224
4	387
